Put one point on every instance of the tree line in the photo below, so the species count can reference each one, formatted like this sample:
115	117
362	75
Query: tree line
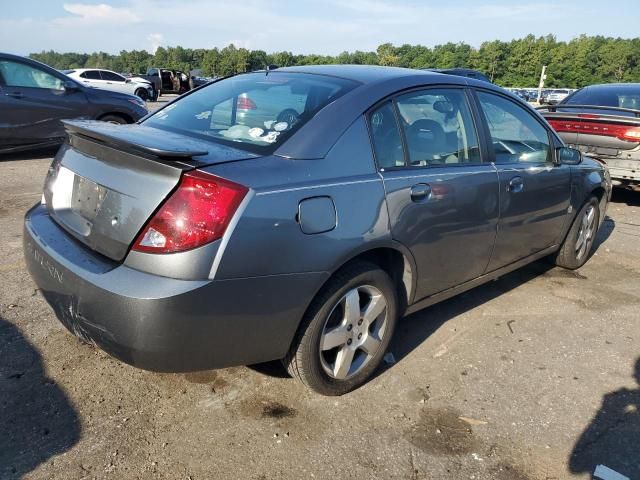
581	61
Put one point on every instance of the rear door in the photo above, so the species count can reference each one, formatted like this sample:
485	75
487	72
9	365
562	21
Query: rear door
442	198
534	190
32	103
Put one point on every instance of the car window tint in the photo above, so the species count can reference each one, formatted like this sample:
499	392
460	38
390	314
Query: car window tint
254	110
608	96
515	133
16	74
387	143
438	127
91	75
111	77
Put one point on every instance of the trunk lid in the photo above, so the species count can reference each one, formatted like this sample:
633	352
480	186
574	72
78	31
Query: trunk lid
107	180
602	130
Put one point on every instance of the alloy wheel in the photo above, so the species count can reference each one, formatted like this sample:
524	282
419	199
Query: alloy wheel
586	233
353	332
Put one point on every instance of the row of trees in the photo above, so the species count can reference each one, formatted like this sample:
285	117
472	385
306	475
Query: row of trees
581	61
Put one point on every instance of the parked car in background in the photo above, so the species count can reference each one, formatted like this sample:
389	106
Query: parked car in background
167	81
34	98
604	121
532	95
462	72
224	243
556	96
197	79
521	93
108	80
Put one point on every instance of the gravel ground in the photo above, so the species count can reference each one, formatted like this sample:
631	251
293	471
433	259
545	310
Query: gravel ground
528	377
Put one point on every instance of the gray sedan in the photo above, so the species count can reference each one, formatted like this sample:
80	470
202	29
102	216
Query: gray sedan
298	214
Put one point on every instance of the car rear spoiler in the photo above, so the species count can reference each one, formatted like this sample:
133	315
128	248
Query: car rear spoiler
133	138
553	108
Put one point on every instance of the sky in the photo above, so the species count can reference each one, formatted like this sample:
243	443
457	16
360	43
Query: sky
302	26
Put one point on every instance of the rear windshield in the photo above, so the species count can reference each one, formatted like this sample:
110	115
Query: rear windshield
623	96
253	111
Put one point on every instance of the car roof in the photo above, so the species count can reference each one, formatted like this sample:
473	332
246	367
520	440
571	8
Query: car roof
99	69
317	136
612	85
361	73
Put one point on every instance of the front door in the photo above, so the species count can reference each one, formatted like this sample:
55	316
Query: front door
32	103
534	189
442	198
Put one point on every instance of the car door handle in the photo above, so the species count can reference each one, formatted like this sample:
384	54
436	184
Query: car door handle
516	185
15	95
420	192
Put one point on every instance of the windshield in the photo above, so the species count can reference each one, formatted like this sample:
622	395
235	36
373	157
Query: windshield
253	111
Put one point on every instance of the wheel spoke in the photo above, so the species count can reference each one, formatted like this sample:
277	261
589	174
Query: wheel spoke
376	306
371	344
591	216
582	249
334	338
343	362
581	239
352	307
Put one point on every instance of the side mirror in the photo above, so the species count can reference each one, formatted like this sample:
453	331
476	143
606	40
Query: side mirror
127	80
569	156
70	86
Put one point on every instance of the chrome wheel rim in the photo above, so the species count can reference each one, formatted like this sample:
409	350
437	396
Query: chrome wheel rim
586	233
353	332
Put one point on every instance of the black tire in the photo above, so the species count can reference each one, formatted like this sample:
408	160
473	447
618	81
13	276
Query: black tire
114	119
568	255
143	94
305	359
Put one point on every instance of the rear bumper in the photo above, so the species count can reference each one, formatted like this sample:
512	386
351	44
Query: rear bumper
158	323
627	171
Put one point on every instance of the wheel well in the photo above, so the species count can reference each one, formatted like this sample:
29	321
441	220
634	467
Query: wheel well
117	114
396	265
599	192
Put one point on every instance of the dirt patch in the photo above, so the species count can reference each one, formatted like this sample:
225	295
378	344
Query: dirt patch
510	472
266	408
440	431
562	273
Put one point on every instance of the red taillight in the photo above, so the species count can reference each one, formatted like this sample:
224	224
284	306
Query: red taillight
623	132
245	103
198	212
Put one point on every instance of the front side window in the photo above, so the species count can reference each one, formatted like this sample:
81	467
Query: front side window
253	111
438	127
517	136
387	143
16	74
111	76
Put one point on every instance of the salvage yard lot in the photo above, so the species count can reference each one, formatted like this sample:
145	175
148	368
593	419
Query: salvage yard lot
504	382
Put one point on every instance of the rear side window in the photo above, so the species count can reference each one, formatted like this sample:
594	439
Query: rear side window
385	134
438	127
16	74
253	111
516	134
